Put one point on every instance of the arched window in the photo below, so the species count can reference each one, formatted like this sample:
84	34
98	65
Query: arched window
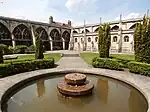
96	39
81	39
115	39
76	40
115	27
75	31
126	38
89	39
96	29
86	30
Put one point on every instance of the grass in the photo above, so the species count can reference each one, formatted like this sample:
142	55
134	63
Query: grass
87	56
56	56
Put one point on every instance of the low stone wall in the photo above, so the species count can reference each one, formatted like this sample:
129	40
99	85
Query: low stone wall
139	82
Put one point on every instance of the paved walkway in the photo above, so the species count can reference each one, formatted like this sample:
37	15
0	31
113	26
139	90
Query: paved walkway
72	61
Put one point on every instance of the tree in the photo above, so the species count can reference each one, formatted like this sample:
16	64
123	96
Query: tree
1	55
142	41
38	47
104	41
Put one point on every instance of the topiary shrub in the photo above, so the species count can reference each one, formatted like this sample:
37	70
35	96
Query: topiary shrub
142	41
38	47
106	63
20	49
104	40
140	68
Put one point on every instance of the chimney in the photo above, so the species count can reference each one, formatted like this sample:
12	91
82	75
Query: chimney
69	22
50	19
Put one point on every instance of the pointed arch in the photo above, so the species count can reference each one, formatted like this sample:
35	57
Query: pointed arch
96	30
116	27
66	37
57	41
45	38
86	30
75	31
22	35
133	26
43	33
5	35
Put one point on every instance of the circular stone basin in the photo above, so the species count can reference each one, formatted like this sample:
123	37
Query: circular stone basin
74	90
75	78
41	95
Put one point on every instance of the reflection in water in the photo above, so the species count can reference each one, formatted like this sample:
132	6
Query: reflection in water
40	87
75	102
103	88
135	101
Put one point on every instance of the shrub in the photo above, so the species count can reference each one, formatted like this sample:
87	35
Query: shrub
30	49
4	48
20	49
106	63
142	41
25	66
11	50
140	68
104	41
39	47
123	62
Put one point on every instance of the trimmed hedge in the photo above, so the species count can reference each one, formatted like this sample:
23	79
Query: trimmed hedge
140	68
25	66
123	62
106	63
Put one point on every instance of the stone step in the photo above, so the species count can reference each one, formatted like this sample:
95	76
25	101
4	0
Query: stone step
69	55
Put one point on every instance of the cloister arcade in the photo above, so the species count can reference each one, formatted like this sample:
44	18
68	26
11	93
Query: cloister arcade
55	36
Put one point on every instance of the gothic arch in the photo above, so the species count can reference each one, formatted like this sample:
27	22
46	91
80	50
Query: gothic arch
5	24
44	36
56	38
22	35
133	26
75	31
66	37
86	30
5	35
116	27
96	30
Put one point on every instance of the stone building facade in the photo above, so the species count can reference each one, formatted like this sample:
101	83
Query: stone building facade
61	36
121	36
55	35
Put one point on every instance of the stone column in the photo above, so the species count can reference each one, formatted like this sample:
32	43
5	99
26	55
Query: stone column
120	35
63	44
51	43
13	40
33	36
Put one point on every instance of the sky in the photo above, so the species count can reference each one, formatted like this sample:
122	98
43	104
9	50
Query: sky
75	10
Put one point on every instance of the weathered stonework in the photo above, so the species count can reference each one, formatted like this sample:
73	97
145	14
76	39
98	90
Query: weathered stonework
121	36
21	32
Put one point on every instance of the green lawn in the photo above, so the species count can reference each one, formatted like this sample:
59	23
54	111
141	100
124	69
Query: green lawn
56	56
87	56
